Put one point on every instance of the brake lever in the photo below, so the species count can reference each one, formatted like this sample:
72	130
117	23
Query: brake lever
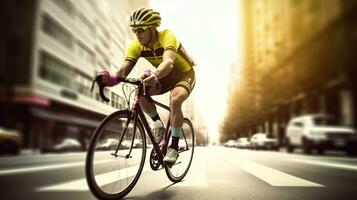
98	79
95	80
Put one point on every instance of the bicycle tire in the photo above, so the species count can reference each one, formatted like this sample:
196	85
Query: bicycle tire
188	132
96	190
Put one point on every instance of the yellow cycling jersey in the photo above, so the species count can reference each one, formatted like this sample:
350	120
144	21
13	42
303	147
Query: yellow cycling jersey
166	40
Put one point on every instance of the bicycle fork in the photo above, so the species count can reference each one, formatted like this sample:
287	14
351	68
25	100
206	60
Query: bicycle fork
124	132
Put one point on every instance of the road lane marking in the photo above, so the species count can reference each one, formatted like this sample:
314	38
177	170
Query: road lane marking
273	176
334	165
44	168
102	179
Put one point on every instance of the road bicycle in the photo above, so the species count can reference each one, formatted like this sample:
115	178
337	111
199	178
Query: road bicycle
117	150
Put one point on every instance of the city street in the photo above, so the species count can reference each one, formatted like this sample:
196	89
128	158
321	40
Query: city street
216	173
257	74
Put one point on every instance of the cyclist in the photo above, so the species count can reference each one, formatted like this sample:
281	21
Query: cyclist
174	72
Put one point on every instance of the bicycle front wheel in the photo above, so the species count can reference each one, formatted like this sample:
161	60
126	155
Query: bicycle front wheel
178	171
116	155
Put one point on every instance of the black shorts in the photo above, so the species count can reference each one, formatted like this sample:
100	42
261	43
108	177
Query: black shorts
174	79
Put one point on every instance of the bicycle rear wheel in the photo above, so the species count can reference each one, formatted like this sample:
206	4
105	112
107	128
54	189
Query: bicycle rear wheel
179	170
112	174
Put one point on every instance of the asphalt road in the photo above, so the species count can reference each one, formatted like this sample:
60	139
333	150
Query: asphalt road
216	173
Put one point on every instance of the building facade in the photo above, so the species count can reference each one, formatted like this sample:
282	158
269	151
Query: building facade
298	60
50	53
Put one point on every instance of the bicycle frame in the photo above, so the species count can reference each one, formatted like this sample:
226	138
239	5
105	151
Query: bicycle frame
137	113
128	131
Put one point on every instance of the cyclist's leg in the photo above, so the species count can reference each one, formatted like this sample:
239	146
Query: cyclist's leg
179	94
177	97
146	102
164	85
147	105
149	108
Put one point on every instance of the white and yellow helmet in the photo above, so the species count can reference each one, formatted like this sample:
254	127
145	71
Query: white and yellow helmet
144	17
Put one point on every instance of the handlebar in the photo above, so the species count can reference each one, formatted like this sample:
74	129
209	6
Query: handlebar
98	80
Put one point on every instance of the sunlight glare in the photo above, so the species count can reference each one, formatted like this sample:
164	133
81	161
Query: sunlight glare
209	34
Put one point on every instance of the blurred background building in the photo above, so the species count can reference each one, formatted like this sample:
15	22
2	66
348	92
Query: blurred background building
299	59
49	52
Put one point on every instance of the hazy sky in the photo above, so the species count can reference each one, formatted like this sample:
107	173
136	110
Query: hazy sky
208	31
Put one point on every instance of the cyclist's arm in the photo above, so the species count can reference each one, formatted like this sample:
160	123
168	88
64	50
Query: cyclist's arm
125	69
167	64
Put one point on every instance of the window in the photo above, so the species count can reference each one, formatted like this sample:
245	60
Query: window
65	5
86	24
85	53
104	42
55	71
56	31
115	101
83	83
326	121
122	102
298	124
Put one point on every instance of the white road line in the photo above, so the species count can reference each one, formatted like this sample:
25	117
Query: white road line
45	167
335	165
273	176
103	179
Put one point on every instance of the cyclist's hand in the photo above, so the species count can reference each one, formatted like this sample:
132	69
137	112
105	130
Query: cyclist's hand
149	78
107	79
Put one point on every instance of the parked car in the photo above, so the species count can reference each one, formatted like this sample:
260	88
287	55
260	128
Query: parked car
108	144
243	143
137	143
125	144
320	132
67	144
10	141
230	143
262	141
